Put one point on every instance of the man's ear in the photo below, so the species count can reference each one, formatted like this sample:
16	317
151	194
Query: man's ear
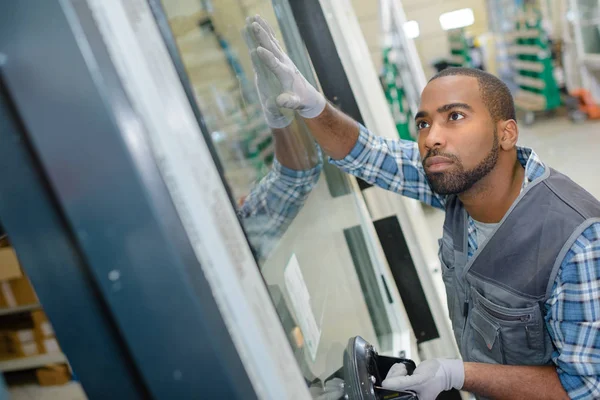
508	134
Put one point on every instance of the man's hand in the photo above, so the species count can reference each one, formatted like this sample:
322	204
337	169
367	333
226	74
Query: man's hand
297	94
429	379
267	86
280	84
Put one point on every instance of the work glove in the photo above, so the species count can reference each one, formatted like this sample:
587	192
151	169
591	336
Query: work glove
267	85
296	93
429	379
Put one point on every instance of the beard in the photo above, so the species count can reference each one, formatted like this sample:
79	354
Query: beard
459	180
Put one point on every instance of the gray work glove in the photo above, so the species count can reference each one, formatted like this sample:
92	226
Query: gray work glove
296	93
429	379
267	85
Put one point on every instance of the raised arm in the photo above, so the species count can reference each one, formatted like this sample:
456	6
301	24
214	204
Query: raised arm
276	200
392	165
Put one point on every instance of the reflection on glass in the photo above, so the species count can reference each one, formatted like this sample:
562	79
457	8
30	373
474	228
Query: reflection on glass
589	20
300	228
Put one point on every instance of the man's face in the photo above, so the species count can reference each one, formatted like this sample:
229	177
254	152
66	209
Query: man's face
458	140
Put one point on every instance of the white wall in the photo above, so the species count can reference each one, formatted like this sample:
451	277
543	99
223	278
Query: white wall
433	41
367	12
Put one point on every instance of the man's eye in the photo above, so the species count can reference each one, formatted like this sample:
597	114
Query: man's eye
454	116
422	125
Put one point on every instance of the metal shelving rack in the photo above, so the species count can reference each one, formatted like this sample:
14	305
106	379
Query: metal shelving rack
582	29
459	49
395	95
501	16
18	310
538	90
20	364
402	76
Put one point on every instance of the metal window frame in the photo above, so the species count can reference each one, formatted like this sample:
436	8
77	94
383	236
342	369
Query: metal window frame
60	165
30	214
133	246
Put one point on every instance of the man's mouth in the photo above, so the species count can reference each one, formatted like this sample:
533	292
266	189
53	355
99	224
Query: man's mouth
437	164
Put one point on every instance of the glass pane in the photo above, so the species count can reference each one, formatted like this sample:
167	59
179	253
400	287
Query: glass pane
308	233
588	10
591	38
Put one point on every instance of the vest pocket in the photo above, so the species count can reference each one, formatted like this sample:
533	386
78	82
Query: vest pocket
521	330
487	346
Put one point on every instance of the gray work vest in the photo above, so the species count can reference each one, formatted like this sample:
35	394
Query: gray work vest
496	299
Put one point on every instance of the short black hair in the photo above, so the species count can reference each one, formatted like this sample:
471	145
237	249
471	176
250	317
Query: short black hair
495	94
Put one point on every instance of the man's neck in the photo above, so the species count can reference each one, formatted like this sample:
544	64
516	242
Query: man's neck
490	199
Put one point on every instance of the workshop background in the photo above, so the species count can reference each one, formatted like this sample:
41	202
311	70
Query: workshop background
547	51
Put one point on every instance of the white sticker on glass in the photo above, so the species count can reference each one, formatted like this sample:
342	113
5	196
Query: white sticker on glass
300	298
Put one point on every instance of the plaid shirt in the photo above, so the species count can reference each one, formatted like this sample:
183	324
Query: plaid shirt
273	204
573	309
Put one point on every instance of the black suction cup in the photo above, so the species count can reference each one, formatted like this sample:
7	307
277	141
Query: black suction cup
364	370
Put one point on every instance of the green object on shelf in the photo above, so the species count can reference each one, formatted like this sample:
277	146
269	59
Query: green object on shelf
257	143
394	93
535	72
459	49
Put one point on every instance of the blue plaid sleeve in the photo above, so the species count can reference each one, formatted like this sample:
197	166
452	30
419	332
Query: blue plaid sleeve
390	164
274	202
573	317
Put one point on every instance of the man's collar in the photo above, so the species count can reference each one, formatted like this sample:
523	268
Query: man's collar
534	167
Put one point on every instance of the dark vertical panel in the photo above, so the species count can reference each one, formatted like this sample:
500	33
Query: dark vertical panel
115	203
406	278
325	59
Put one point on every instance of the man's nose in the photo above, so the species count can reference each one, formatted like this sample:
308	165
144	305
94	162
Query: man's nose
435	137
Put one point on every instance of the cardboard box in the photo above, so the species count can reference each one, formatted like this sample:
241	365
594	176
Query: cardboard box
27	349
10	350
18	335
23	291
42	326
17	343
9	264
17	292
3	303
53	375
18	328
48	345
4	242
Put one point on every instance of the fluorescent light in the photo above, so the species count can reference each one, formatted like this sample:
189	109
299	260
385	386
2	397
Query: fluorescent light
457	19
411	29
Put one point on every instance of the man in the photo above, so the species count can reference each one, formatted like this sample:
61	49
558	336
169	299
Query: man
521	243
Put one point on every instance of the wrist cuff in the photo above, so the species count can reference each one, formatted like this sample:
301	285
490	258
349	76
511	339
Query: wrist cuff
316	109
